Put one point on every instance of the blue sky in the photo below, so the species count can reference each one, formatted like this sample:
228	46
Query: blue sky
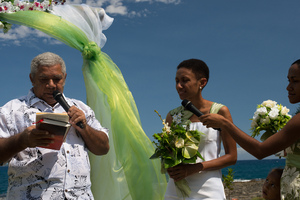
248	46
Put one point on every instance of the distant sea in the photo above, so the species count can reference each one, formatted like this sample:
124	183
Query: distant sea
244	170
3	180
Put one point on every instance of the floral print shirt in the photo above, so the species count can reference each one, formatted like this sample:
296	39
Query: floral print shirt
40	173
290	179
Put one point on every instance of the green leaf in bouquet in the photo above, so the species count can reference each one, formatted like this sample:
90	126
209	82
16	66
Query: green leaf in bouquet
190	161
190	149
157	136
190	137
200	156
171	163
154	156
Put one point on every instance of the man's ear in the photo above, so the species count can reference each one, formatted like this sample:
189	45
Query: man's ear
31	79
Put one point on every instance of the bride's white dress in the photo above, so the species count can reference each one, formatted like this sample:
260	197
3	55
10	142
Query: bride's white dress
206	184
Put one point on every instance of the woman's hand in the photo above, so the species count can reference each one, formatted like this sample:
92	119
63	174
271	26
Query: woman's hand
212	120
181	171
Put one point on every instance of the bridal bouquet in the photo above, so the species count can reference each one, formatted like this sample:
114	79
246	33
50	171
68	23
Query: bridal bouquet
175	145
269	117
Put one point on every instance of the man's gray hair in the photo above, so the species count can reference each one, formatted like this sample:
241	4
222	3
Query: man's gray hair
47	59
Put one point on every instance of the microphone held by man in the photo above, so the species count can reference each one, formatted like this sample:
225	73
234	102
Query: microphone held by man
62	101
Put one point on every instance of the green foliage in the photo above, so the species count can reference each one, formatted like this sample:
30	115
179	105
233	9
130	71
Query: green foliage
228	180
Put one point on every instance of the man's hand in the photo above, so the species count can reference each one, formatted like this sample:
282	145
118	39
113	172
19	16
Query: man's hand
76	115
32	137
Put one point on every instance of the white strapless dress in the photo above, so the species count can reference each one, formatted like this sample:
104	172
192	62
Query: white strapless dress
207	184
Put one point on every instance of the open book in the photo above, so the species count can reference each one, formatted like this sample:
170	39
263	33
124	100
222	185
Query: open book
56	124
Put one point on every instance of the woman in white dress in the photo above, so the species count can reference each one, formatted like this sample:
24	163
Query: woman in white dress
204	177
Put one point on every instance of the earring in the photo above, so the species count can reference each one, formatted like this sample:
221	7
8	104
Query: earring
200	88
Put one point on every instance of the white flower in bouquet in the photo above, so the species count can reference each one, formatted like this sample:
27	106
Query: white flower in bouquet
285	110
177	118
269	103
269	117
274	113
265	120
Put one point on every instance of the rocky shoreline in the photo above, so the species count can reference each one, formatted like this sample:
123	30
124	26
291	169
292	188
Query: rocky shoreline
250	190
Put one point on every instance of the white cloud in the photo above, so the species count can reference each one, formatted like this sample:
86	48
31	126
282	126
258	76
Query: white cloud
23	34
143	13
162	1
117	8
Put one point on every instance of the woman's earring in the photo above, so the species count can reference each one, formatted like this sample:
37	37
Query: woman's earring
200	88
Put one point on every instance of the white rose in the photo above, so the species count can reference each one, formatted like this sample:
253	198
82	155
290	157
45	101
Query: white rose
255	117
261	111
265	121
274	113
253	124
285	110
269	103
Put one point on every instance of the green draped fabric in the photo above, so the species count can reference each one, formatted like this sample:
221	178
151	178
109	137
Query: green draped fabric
126	172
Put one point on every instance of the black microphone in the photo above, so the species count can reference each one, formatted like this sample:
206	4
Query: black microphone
62	101
189	106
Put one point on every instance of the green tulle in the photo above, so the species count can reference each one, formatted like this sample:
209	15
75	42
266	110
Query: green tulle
126	172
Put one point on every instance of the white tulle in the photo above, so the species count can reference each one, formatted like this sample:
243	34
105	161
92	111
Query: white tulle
92	21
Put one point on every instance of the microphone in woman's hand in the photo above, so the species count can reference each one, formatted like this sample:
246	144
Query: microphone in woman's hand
189	106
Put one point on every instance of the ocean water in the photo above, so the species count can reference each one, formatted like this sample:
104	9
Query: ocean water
243	170
3	180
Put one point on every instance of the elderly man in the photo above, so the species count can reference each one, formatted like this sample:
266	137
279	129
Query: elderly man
42	173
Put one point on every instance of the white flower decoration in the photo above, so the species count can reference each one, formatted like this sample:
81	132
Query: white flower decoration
270	118
166	127
269	103
284	110
179	143
274	113
177	118
265	120
253	124
261	111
